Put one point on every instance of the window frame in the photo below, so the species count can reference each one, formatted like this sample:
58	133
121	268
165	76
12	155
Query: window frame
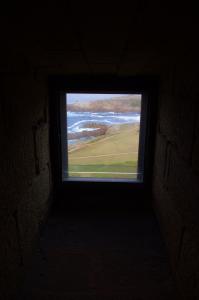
64	142
145	85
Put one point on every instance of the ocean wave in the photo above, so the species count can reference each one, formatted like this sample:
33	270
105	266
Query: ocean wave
78	125
79	129
127	118
77	114
96	114
89	114
77	120
104	113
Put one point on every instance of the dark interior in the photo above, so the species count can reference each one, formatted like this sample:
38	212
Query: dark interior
98	240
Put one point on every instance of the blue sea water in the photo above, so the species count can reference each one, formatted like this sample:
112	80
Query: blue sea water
76	120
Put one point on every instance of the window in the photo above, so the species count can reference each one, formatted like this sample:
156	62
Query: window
101	136
102	131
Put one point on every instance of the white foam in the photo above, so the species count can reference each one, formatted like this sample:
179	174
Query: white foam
108	118
77	127
127	118
76	124
97	115
77	114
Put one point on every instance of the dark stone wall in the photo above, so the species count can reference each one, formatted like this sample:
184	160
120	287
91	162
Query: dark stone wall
24	174
176	174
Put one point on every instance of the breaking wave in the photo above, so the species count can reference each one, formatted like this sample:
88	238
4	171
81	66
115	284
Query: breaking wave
76	121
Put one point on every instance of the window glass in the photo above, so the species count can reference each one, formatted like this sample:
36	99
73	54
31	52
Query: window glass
102	136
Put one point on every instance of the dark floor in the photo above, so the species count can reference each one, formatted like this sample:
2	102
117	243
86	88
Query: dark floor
101	256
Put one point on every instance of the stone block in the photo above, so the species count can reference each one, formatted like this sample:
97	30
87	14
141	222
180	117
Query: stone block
195	153
32	212
170	222
182	185
10	258
41	147
160	156
187	270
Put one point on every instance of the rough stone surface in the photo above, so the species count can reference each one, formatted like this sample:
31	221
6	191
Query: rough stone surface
175	185
101	256
25	179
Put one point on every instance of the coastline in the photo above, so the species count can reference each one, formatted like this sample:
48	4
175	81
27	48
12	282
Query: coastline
110	130
112	155
97	129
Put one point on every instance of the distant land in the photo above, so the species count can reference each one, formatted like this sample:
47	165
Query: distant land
130	103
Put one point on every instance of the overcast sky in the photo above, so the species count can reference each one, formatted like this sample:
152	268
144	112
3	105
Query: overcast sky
71	98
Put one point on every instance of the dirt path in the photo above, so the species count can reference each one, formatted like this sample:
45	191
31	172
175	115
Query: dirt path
95	156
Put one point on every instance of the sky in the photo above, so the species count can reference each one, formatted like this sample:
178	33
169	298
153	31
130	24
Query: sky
71	98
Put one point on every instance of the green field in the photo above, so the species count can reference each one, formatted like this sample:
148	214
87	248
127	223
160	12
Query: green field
109	156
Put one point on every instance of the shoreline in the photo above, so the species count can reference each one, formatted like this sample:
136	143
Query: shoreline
111	130
121	110
98	130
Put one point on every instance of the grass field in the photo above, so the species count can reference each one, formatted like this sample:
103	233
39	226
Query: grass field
109	156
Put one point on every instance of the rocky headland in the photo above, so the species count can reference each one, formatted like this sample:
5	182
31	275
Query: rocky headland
122	104
98	129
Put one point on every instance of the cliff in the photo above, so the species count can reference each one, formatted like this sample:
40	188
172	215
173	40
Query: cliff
119	104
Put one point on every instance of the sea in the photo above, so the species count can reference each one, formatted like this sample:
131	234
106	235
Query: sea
76	121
